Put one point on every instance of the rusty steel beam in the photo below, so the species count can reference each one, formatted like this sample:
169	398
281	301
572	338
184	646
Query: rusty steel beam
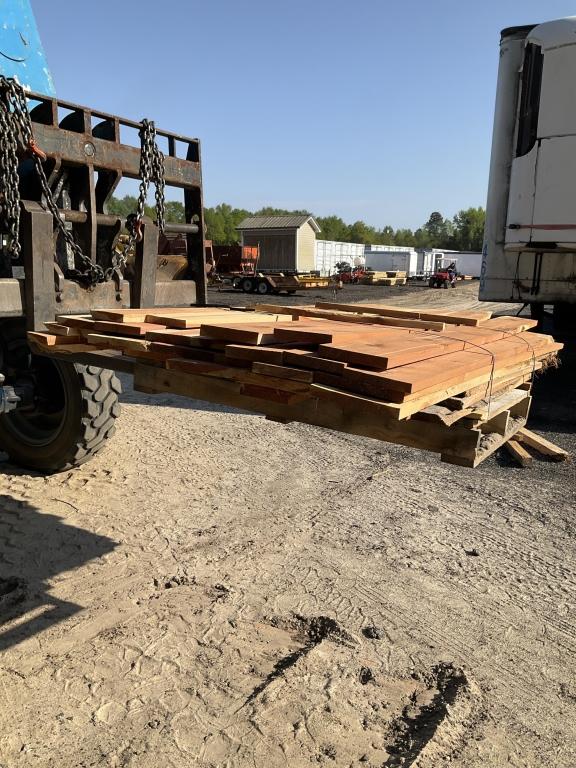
88	153
83	148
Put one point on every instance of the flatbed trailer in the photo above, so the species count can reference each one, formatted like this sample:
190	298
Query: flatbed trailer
280	282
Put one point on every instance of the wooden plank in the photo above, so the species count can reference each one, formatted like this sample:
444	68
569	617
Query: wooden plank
272	395
83	322
61	330
248	334
169	335
349	317
454	367
273	355
487	446
89	355
499	423
474	334
51	339
487	409
518	453
542	445
392	353
314	332
304	335
283	372
76	348
439	414
443	316
161	351
472	396
510	324
312	361
127	328
117	342
312	411
360	403
237	374
207	318
408	408
138	314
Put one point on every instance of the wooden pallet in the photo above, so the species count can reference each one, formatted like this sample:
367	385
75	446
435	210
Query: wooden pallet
377	371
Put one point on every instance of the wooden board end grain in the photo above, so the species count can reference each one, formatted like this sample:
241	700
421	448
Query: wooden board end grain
518	453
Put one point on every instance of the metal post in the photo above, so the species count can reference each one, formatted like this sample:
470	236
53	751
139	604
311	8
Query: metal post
36	237
144	285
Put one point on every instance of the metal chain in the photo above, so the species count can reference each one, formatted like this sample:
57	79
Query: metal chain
15	124
19	126
151	170
9	181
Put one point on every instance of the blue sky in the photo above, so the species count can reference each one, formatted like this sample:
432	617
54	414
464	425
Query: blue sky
372	110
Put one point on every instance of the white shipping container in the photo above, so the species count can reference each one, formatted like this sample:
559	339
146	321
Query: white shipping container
382	248
329	252
468	263
388	261
425	262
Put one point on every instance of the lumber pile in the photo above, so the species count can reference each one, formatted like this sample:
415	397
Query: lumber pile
455	383
373	277
525	438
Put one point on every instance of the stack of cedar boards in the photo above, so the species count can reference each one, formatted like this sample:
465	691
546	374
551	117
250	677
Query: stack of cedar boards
376	371
372	277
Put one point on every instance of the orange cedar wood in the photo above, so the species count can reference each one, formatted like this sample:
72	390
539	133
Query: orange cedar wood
458	365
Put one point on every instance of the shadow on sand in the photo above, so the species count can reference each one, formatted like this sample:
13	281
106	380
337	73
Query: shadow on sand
35	547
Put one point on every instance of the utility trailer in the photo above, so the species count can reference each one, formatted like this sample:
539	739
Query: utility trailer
267	281
60	256
529	253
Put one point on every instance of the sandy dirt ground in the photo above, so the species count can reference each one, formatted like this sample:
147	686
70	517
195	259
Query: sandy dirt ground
215	589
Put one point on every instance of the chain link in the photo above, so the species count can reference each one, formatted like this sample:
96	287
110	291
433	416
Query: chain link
9	180
151	170
15	128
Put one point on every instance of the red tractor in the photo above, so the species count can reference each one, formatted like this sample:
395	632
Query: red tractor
351	275
444	277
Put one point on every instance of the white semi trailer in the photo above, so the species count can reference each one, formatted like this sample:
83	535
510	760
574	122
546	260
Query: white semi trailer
529	252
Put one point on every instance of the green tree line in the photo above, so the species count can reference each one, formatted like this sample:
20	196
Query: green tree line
463	232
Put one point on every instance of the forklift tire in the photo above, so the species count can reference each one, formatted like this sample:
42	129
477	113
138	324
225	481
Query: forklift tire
81	420
445	284
431	283
247	285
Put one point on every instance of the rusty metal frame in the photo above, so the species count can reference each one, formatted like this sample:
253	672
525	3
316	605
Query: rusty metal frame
86	146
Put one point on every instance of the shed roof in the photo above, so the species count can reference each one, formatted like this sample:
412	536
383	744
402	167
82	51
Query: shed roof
278	222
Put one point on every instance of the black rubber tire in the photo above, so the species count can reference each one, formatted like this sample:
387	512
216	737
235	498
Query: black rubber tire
263	287
247	285
87	421
431	283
